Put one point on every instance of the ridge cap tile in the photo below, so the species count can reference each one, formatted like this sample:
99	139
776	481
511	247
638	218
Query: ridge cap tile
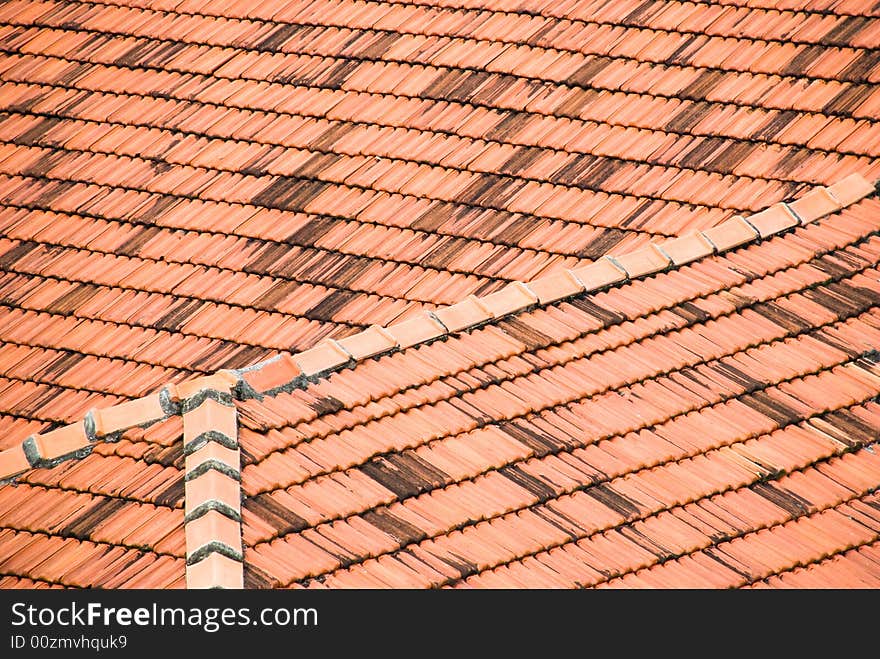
418	329
370	342
13	462
141	411
275	373
687	248
212	493
462	315
514	297
213	452
215	571
323	357
775	219
209	419
818	202
212	527
852	188
556	286
209	487
62	442
645	261
599	274
222	380
731	233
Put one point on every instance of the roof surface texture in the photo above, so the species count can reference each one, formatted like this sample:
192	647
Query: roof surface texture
494	294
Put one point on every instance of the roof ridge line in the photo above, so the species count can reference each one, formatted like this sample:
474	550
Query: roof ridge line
212	486
76	440
287	371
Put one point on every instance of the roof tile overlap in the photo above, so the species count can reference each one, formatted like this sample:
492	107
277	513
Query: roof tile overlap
775	219
59	443
418	329
603	272
731	233
323	357
687	248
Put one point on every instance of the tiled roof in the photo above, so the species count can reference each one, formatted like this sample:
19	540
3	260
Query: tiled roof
712	425
541	420
111	519
184	193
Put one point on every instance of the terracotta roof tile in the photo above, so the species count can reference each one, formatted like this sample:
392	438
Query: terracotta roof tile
512	298
212	527
778	217
281	371
645	261
370	342
731	233
212	489
600	274
687	248
557	286
389	239
850	189
216	570
464	314
418	329
694	482
323	357
60	443
815	204
212	452
212	485
209	418
13	461
220	381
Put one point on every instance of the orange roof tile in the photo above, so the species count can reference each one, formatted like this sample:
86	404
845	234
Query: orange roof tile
541	300
700	471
